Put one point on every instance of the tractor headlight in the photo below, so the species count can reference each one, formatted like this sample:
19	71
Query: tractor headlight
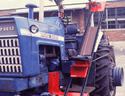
34	29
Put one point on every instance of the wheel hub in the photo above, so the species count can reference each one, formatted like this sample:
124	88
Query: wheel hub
118	76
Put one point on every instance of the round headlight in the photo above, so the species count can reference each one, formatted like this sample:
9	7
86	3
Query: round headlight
34	29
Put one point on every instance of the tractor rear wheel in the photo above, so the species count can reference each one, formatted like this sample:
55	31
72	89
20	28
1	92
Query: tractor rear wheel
105	62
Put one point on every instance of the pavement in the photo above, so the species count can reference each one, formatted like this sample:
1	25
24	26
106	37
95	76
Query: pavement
121	90
119	48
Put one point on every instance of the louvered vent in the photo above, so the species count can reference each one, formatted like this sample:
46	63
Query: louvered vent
10	59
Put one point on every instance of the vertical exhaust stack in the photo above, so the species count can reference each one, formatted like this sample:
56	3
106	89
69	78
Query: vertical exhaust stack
61	9
31	13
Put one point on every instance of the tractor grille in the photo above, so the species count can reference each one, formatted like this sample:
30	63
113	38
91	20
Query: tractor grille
10	59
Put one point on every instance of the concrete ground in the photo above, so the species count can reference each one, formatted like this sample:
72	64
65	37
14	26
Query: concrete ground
121	90
119	48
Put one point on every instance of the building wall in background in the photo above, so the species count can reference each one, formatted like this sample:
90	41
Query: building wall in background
113	21
116	35
73	16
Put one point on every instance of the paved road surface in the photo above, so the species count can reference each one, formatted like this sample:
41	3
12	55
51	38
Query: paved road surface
120	60
121	90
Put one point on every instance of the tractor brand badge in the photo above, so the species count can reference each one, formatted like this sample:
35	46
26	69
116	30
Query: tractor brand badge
6	28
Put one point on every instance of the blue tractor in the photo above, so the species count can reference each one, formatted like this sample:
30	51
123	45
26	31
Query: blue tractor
33	53
24	44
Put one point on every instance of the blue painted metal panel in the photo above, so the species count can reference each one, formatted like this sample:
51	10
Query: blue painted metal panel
57	23
21	23
30	53
29	47
13	84
29	57
29	50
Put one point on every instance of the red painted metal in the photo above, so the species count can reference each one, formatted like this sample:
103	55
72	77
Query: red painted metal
80	69
54	83
88	42
53	86
97	6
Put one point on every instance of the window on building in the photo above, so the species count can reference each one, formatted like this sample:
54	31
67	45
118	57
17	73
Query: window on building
121	24
111	12
103	25
111	25
68	16
114	18
121	12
